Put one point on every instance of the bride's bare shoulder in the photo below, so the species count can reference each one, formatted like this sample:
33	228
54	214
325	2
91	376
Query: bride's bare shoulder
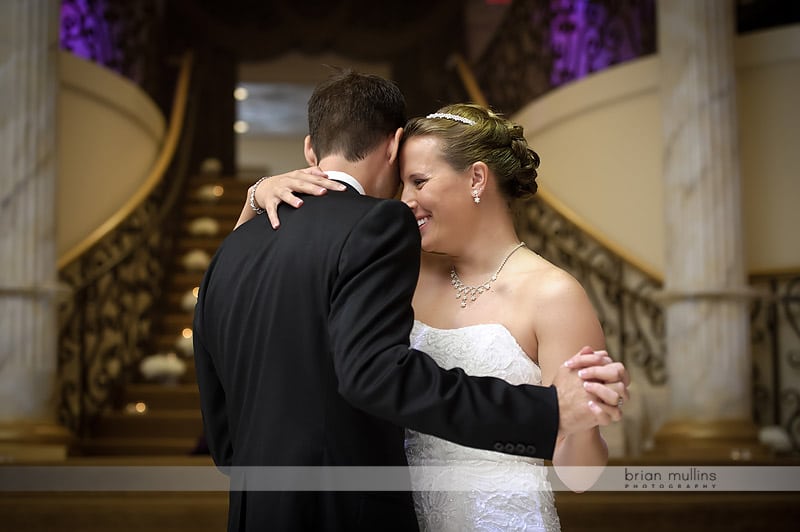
546	282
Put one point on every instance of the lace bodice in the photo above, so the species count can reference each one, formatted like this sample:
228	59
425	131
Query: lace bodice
492	491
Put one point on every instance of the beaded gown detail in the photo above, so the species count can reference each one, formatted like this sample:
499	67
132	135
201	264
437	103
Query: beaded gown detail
495	491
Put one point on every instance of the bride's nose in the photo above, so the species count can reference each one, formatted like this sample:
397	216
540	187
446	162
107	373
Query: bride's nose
408	200
407	197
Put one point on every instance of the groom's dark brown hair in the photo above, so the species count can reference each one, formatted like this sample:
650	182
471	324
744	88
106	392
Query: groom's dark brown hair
350	113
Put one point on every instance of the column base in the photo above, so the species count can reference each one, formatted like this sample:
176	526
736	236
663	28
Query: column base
26	441
719	440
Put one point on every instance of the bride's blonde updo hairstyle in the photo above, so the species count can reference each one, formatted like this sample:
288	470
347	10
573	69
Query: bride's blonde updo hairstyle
470	133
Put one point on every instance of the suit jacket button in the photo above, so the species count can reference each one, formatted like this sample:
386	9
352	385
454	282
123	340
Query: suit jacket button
499	446
531	450
521	448
510	448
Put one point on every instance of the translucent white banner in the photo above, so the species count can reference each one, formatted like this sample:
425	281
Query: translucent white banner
511	477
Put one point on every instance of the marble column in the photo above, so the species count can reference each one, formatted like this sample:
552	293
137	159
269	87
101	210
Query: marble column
705	293
28	329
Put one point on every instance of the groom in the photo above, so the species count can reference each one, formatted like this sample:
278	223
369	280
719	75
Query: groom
301	338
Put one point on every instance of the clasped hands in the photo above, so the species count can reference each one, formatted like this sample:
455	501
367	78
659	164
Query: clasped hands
591	390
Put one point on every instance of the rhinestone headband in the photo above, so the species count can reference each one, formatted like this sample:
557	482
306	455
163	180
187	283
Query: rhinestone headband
448	116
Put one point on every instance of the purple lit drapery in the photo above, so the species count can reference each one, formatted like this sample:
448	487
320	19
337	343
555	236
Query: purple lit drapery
587	36
87	33
118	34
543	44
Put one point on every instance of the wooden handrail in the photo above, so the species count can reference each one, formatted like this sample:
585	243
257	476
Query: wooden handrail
159	168
476	95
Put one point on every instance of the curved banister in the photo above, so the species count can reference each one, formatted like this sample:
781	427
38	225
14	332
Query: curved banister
156	174
476	95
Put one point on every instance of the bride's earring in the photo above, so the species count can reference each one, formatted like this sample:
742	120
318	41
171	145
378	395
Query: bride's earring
475	197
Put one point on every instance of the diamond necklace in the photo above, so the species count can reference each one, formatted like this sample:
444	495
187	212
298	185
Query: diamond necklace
464	292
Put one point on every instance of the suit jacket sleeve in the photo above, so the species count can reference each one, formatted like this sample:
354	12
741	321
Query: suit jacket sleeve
370	322
212	394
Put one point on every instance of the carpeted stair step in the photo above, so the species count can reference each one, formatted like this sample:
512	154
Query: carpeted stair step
159	397
185	423
130	446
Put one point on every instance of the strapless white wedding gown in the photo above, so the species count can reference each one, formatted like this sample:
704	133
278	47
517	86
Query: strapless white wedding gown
495	491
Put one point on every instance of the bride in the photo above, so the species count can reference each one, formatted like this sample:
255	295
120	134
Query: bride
485	303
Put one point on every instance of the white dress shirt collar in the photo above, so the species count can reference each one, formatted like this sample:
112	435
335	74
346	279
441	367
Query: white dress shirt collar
345	178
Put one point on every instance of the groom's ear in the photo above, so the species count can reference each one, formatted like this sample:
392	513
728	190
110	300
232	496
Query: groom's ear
308	151
393	149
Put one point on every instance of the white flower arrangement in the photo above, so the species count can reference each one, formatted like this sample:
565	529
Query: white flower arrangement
196	260
162	367
204	226
776	438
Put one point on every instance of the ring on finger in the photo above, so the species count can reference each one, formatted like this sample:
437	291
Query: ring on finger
619	403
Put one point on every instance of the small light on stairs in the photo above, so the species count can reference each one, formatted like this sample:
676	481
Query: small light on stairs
207	193
240	93
218	190
187	333
195	291
136	408
188	301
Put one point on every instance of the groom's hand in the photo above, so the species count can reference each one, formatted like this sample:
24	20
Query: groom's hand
583	406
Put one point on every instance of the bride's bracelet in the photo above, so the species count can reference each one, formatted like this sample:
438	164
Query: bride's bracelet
253	188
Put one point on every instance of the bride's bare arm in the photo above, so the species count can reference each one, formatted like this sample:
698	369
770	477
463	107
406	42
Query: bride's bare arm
269	193
565	323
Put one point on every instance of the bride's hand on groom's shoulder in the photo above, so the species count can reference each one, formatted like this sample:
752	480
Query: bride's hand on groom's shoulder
282	189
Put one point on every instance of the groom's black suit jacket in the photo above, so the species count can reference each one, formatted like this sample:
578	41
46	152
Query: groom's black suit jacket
302	358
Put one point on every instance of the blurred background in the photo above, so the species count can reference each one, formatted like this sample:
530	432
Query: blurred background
668	187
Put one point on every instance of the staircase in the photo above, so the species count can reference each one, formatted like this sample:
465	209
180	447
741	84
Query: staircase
156	418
